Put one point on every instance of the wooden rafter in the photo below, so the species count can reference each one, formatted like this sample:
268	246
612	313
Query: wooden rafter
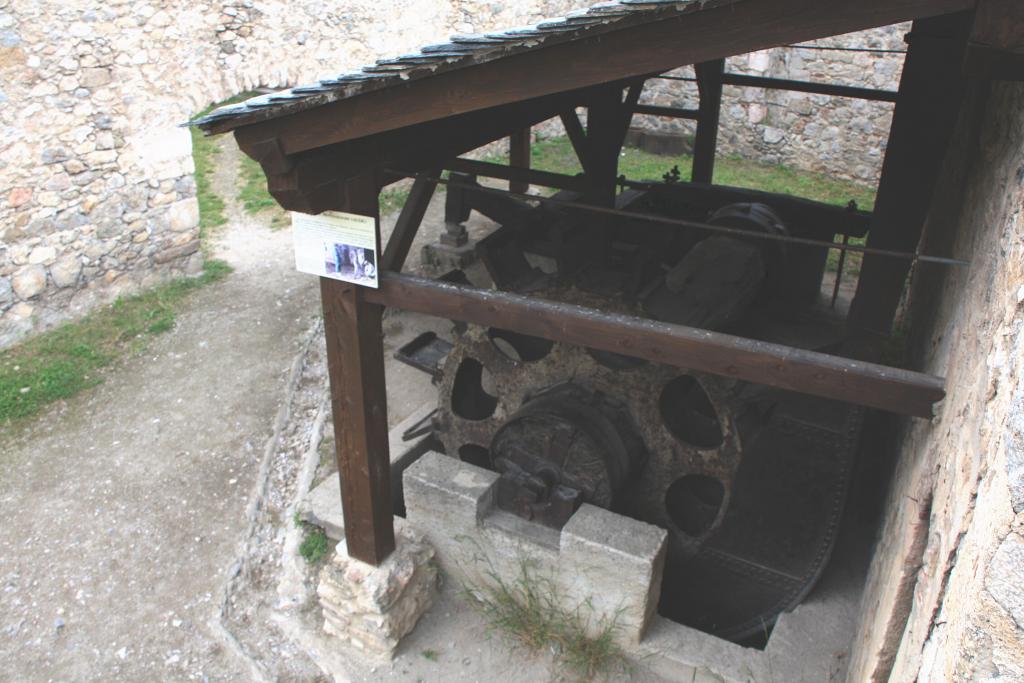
653	47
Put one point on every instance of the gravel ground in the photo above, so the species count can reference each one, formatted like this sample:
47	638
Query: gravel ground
147	531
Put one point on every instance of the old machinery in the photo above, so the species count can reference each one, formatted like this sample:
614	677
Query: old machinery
749	481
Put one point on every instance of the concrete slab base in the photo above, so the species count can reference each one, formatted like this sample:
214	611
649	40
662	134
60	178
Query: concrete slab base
371	607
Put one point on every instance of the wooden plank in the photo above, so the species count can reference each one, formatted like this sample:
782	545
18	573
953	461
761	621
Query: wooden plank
519	157
996	47
818	374
713	32
531	176
311	180
605	134
667	112
804	86
930	97
355	365
577	136
709	83
408	223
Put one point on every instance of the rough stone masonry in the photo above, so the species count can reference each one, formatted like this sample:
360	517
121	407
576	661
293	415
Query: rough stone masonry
97	196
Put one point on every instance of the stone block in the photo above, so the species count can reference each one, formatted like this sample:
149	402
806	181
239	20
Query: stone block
372	608
66	270
6	292
173	253
29	281
618	565
1005	578
450	493
42	255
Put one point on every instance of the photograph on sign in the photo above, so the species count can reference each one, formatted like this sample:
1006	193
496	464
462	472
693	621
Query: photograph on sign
337	245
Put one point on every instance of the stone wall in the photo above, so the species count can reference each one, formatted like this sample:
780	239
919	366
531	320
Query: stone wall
840	136
944	597
98	197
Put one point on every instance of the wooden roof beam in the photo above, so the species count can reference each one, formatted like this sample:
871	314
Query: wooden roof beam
689	38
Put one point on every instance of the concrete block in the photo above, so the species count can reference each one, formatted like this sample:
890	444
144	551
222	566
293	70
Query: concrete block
451	493
618	565
604	564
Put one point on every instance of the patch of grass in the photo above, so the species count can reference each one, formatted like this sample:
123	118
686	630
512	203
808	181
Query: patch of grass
557	155
526	611
430	655
205	153
211	207
392	200
314	545
61	363
252	190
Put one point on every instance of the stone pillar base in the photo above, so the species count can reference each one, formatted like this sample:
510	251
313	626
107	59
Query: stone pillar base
374	607
447	257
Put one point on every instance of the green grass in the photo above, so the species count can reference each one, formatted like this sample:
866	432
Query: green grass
527	612
205	154
211	207
430	655
557	155
252	190
61	363
314	545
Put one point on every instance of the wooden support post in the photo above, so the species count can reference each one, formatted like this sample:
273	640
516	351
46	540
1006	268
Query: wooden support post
408	222
709	83
519	157
577	136
605	135
355	364
930	94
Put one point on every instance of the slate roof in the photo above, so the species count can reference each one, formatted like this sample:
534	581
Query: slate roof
461	51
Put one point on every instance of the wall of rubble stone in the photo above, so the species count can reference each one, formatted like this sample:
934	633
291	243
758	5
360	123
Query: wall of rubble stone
98	197
839	136
944	599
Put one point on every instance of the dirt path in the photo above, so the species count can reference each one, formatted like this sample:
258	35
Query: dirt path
146	529
123	508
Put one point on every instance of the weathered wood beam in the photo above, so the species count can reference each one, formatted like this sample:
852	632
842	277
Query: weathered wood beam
530	176
691	37
408	222
930	96
815	88
519	157
996	48
355	366
808	372
309	182
607	121
577	136
705	142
